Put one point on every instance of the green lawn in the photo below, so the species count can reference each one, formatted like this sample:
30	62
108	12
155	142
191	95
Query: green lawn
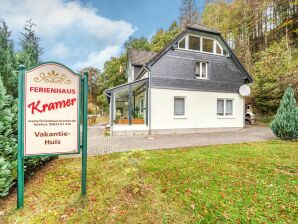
241	183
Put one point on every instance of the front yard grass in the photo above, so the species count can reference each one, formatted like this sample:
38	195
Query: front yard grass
240	183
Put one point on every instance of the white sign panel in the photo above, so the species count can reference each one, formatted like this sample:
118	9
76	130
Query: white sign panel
51	110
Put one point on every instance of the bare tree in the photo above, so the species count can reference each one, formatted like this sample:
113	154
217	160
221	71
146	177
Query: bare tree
189	13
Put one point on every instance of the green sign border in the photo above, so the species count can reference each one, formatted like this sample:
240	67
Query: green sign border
82	117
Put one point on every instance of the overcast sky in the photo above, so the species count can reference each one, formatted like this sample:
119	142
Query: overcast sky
82	33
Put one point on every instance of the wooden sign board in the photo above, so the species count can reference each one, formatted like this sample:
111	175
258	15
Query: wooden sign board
51	110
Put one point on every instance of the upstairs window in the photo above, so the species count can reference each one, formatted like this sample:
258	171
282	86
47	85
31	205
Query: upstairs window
179	106
203	44
208	45
194	43
224	107
219	50
181	43
201	70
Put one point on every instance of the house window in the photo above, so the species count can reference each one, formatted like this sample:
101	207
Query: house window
181	44
194	43
202	44
201	70
179	106
218	49
208	45
224	107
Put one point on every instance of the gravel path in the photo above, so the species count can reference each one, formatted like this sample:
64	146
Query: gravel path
100	144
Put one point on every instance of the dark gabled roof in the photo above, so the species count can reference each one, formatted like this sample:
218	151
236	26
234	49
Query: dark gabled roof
138	57
196	26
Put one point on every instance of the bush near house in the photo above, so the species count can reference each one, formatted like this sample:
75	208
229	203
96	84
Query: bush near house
285	123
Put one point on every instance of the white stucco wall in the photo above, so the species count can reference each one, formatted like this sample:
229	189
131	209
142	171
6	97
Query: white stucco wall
130	71
200	110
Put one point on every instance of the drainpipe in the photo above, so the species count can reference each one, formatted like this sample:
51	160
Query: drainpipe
149	98
129	105
111	110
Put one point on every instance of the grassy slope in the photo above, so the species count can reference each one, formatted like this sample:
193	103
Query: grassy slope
255	182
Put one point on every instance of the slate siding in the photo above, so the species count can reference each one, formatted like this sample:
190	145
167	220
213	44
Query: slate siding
176	70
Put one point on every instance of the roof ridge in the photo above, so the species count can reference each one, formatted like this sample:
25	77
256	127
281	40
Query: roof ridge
196	25
133	49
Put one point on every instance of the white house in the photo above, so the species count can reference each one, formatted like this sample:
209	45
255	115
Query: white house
192	85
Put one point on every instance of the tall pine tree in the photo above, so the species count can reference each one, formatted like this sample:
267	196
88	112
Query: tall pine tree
285	123
7	60
31	49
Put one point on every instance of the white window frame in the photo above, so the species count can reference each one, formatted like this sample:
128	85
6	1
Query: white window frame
201	44
179	116
200	40
201	71
214	48
214	52
186	41
224	115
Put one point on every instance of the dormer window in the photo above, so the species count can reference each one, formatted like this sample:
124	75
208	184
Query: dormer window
201	70
181	43
219	49
194	43
208	45
198	43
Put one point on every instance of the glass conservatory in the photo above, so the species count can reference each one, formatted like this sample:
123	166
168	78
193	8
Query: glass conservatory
129	104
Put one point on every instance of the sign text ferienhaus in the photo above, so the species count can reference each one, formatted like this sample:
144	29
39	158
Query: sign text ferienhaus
51	110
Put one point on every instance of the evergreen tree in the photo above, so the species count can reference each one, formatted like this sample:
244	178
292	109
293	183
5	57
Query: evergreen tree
8	141
7	124
31	50
285	123
6	178
7	60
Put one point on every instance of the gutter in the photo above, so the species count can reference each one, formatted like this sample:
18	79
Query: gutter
111	112
149	98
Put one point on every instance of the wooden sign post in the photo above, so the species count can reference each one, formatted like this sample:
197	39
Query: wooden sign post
53	101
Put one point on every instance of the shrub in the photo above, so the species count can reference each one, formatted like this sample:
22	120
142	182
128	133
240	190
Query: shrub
285	123
8	140
6	178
